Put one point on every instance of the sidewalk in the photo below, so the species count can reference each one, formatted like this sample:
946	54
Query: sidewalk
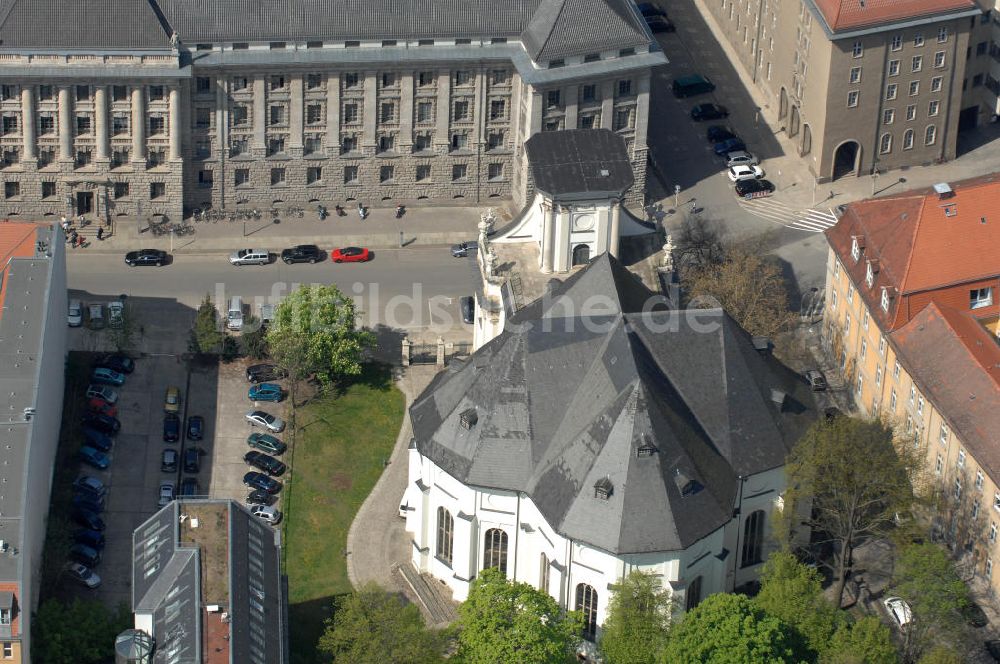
423	226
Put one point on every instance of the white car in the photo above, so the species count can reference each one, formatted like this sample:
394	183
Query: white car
259	418
82	574
168	491
267	513
741	158
75	317
745	172
250	257
899	610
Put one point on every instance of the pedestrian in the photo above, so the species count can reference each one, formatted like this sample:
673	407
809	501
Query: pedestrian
100	233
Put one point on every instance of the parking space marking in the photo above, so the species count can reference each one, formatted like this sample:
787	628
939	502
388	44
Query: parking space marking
803	219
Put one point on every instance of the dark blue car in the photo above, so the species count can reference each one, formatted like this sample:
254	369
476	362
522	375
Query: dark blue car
91	538
94	458
171	428
95	438
103	423
729	145
88	519
196	427
256	480
83	501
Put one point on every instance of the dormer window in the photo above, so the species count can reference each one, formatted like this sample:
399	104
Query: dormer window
603	488
885	299
869	275
855	248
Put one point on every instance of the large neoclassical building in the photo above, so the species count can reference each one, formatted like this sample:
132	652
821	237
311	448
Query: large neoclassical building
140	107
601	432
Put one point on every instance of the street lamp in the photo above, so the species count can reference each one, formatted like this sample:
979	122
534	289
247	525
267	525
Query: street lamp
874	177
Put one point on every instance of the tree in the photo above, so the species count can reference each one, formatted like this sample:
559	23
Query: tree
637	622
865	641
372	626
253	341
793	593
941	655
504	621
123	337
927	580
82	632
852	476
206	334
698	244
727	629
315	333
749	287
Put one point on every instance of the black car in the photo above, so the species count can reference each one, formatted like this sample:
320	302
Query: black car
103	423
747	187
264	462
719	133
168	461
88	502
259	497
84	554
192	460
120	363
143	257
468	308
974	615
259	373
189	487
708	112
256	480
171	428
660	24
91	538
196	427
303	253
648	9
88	519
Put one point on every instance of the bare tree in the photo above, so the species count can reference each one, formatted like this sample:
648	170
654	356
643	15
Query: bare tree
698	244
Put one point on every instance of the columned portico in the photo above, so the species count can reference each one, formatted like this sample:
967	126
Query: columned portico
28	123
138	125
175	123
65	124
101	123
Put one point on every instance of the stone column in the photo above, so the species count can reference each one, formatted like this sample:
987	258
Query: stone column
607	104
333	114
560	243
259	115
138	125
536	109
101	123
406	113
65	124
369	114
572	96
28	121
443	110
549	212
615	228
642	113
479	110
175	123
295	109
222	112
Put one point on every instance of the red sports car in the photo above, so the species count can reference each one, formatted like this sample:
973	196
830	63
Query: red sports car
101	406
350	255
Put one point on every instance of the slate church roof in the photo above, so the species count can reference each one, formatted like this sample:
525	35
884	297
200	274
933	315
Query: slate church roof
578	164
663	420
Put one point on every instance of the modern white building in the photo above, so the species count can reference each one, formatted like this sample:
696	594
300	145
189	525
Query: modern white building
600	433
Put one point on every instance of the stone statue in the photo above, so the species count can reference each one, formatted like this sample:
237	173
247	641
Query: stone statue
668	253
491	261
484	229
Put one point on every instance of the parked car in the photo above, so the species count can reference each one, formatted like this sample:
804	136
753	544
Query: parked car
350	255
463	249
738	173
94	457
262	461
101	406
748	187
708	112
266	443
117	362
467	305
103	423
102	392
116	314
724	147
168	491
88	519
168	460
171	428
91	538
259	497
96	439
95	312
86	483
259	418
741	158
303	253
146	257
266	392
267	513
75	314
82	575
192	459
250	257
196	427
689	86
85	555
258	373
189	487
649	9
817	380
172	400
256	480
717	133
88	502
105	376
660	24
899	610
974	615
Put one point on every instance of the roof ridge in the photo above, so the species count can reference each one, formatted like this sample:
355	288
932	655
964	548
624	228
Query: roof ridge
913	242
945	312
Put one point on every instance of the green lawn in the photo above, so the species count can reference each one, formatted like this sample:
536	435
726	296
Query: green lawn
340	444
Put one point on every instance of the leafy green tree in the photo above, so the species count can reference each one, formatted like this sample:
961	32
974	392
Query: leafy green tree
82	632
372	626
927	580
206	335
793	592
855	480
941	655
253	341
637	622
730	629
865	641
505	621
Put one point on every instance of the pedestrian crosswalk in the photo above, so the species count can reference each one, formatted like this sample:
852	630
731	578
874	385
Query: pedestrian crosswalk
803	219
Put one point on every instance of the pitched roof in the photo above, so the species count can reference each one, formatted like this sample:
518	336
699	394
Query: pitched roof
921	242
560	28
841	15
565	401
956	363
579	163
81	24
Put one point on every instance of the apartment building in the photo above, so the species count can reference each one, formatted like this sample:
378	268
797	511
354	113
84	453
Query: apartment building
911	317
163	106
860	87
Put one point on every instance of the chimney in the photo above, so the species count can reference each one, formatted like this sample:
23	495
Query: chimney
468	419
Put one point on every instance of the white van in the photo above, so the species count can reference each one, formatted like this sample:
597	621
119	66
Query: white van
234	316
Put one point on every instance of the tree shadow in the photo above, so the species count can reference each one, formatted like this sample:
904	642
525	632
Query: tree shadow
388	344
306	622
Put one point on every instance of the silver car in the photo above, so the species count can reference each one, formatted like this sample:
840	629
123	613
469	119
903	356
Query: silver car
250	257
741	158
259	418
168	491
82	574
267	513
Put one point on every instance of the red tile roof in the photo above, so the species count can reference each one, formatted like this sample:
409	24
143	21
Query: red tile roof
17	240
956	363
843	15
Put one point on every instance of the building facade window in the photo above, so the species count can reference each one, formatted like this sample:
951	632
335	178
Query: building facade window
939	60
543	573
980	297
933	108
936	83
753	539
930	135
885	144
852	98
445	536
858	49
893	67
692	596
586	604
855	75
891	91
495	550
916	63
